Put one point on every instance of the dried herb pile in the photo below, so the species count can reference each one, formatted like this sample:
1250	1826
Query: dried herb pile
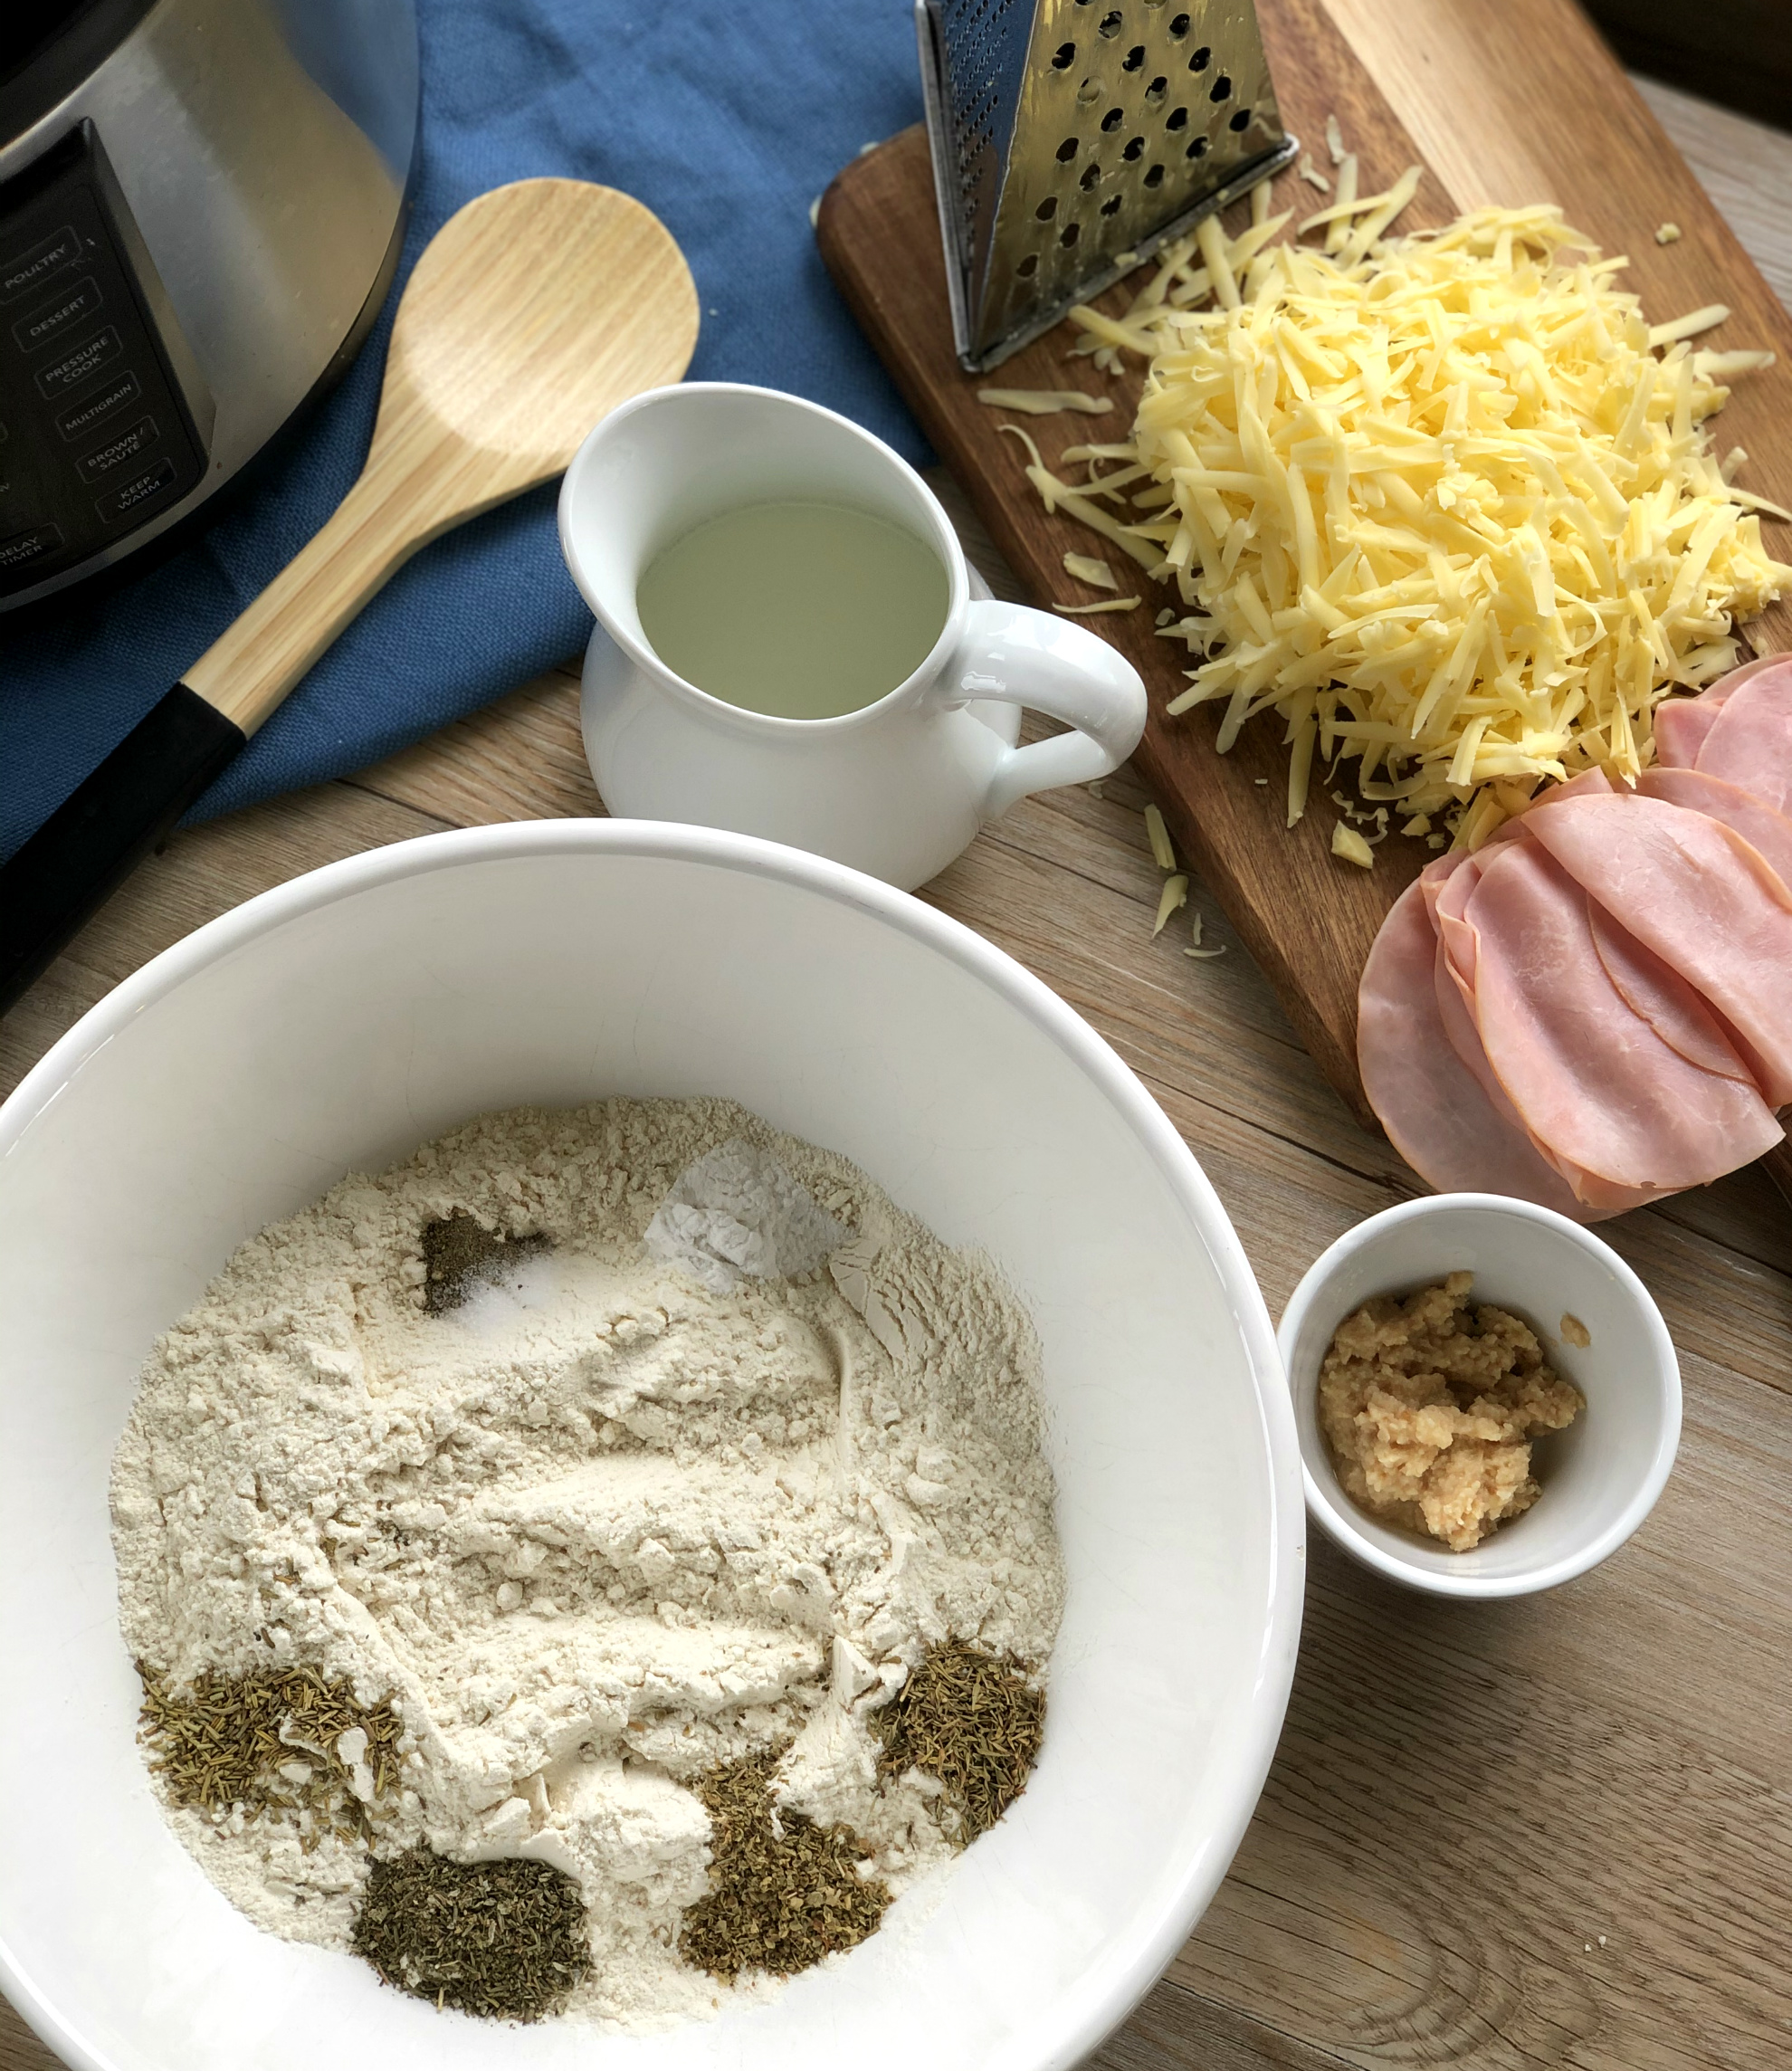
242	1740
777	1901
970	1720
504	1939
458	1250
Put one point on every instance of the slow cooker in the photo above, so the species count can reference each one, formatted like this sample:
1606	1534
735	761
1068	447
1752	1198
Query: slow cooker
201	208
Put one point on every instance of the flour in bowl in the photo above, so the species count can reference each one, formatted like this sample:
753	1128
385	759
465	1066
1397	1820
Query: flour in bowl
694	1474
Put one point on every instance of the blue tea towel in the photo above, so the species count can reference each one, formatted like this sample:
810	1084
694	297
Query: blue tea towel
727	120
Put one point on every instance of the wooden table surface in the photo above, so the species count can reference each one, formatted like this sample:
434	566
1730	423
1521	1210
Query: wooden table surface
1553	1832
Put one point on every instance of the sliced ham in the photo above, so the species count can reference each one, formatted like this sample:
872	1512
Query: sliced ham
1608	1012
1567	1188
1447	895
1733	679
1682	724
1703	900
1446	913
1769	833
1587	1074
1457	959
1665	1000
1749	741
1434	1112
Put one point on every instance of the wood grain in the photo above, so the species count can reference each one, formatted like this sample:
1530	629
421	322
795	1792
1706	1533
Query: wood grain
533	311
1623	1736
1511	104
1466	1799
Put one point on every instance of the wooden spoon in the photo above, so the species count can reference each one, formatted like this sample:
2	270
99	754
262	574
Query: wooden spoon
532	314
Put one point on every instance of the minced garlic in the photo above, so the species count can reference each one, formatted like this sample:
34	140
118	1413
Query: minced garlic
1429	1406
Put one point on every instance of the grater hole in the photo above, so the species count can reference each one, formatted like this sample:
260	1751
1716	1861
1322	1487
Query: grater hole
1047	208
1198	149
1113	120
1178	27
1065	58
1198	61
1154	176
1241	120
1134	60
1067	150
1028	266
1088	93
1109	24
1111	206
1134	151
1069	234
1155	92
1091	176
1177	119
1222	89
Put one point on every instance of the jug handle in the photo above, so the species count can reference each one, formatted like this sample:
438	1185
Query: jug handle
1018	657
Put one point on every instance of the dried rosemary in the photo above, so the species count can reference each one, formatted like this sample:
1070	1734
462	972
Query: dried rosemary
458	1250
970	1720
783	1893
271	1739
505	1939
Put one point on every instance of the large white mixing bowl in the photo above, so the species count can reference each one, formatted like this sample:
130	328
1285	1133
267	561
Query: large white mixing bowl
339	1020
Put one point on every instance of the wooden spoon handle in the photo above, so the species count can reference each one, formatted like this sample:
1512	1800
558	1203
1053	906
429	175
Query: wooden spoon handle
376	528
128	805
86	847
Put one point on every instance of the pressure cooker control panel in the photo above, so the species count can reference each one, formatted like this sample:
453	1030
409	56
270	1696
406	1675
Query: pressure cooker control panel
96	433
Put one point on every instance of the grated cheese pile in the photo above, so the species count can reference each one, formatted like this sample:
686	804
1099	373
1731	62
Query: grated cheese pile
1443	502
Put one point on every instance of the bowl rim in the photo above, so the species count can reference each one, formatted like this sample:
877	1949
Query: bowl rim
1332	1517
1131	1967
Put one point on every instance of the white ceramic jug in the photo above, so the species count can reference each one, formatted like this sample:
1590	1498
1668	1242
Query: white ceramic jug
898	788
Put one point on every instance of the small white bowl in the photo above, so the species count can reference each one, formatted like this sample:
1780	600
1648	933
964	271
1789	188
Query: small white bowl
1600	1477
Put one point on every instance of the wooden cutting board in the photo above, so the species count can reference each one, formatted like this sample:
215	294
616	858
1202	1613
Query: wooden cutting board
1529	107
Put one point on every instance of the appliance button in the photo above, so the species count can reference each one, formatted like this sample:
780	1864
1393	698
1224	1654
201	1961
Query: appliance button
26	270
23	548
129	444
79	362
79	418
144	489
74	305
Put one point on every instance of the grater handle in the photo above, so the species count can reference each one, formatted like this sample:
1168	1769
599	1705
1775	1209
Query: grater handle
1016	656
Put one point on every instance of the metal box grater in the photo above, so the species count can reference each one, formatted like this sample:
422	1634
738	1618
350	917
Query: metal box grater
1070	137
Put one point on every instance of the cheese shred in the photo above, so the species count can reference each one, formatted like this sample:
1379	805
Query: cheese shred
1174	893
1444	503
1044	402
1162	853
